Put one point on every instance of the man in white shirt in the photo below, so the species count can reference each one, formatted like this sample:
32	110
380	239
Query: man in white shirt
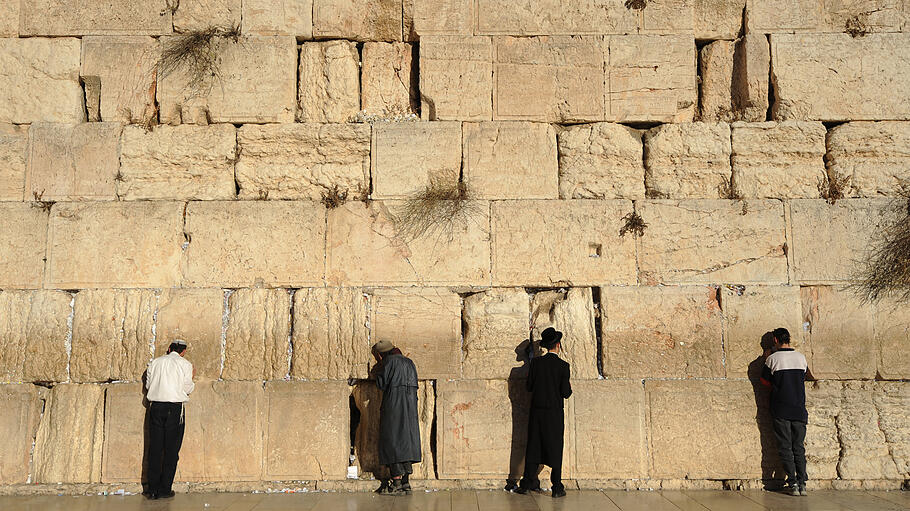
169	381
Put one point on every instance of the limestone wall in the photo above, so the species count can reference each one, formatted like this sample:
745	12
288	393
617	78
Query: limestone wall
264	217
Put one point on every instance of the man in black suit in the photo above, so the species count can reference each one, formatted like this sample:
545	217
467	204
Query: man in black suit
548	383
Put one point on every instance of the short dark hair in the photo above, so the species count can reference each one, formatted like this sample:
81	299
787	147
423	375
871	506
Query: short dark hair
176	348
782	335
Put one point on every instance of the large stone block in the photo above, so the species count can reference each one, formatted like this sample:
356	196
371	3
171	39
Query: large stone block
68	445
388	79
718	19
78	17
18	425
425	324
456	78
527	17
611	438
306	442
496	329
274	243
778	160
840	334
33	335
551	79
661	332
751	69
40	80
114	244
113	332
371	244
197	317
863	15
715	64
124	445
119	76
865	450
9	19
527	150
371	20
773	16
73	161
727	408
892	334
278	17
23	234
823	448
542	243
687	161
892	400
409	156
712	241
13	161
329	81
572	313
303	161
257	335
651	78
874	156
331	334
601	161
255	83
198	15
435	17
833	77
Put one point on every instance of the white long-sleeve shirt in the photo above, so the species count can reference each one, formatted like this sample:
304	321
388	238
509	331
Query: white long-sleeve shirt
169	379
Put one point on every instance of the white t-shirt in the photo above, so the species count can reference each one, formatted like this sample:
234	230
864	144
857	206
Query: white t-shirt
169	379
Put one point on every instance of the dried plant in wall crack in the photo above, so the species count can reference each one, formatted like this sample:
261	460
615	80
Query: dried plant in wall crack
634	224
636	5
885	272
334	197
43	205
438	210
196	54
857	26
832	187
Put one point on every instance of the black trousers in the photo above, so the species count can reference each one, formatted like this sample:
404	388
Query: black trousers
791	436
165	438
546	429
402	469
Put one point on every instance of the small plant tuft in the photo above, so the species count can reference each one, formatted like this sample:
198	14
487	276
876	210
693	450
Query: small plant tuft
262	195
394	113
636	5
885	272
832	187
634	224
43	205
857	26
444	204
196	53
726	190
334	197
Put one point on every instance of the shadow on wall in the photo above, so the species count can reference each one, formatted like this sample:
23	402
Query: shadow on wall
145	436
771	469
518	400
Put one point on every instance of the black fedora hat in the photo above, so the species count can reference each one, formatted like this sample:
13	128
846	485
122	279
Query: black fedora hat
549	337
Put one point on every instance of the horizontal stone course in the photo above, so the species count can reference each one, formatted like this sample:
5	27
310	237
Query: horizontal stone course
75	17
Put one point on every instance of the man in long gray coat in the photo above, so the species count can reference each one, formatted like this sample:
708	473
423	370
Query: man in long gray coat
399	429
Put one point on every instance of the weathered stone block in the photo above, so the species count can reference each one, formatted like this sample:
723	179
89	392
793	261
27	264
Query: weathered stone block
751	68
368	244
527	150
195	316
841	336
256	83
892	333
865	450
715	64
528	17
73	161
718	19
581	243
77	17
864	15
13	161
124	433
778	160
874	156
9	19
832	77
662	332
33	335
123	68
303	161
572	313
773	16
306	442
456	78
236	244
651	78
22	245
40	80
687	161
114	244
331	334
197	15
823	449
373	20
555	79
409	156
496	329
388	82
892	400
69	440
435	17
257	335
18	424
611	439
278	17
425	324
113	331
329	81
712	241
601	161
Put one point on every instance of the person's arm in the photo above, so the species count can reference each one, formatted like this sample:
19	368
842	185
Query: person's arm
188	385
565	386
766	375
382	378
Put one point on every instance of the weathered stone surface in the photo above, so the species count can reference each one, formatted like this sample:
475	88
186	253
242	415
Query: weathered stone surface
68	444
870	15
371	20
408	156
77	17
456	77
388	82
13	161
662	332
823	449
715	65
554	78
751	68
329	81
687	161
425	324
33	335
526	149
39	80
114	244
197	15
256	83
18	424
539	243
73	161
496	329
773	16
306	442
865	448
366	247
749	314
841	336
778	160
892	334
303	161
113	331
892	401
23	234
572	313
875	157
610	429
601	161
651	78
832	77
712	241
278	17
124	432
718	19
435	17
257	335
725	407
123	68
9	19
236	244
195	316
331	334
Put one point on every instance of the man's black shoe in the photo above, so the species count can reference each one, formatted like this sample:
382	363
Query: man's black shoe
166	495
559	493
524	491
150	495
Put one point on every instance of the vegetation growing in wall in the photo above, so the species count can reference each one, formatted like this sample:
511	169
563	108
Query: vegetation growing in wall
636	5
857	26
43	205
437	210
634	224
832	187
334	197
885	273
196	54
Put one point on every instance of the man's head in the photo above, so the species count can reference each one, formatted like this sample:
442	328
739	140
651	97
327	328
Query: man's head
550	339
781	337
382	348
178	347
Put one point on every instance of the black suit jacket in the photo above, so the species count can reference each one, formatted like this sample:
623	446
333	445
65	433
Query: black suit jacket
548	381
